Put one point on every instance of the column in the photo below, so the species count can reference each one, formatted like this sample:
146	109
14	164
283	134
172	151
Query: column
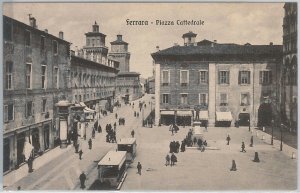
63	131
212	94
157	94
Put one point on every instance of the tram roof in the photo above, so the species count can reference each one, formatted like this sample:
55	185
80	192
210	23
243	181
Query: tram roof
113	158
126	141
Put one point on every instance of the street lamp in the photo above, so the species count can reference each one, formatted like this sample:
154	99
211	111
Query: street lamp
272	125
281	137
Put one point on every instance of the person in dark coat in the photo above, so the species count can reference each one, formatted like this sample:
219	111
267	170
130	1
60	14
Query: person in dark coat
76	147
93	133
132	133
199	142
233	167
90	143
173	159
30	164
82	179
195	141
139	167
177	146
116	115
182	146
115	126
107	138
228	139
170	146
80	153
243	147
251	141
99	129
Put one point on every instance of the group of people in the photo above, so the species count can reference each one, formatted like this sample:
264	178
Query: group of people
171	158
111	133
174	146
174	128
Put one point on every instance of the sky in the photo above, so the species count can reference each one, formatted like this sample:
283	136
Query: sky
255	23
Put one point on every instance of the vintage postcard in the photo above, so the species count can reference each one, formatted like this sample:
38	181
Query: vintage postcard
150	96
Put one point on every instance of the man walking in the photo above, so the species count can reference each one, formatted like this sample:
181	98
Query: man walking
167	160
243	147
132	133
90	143
251	141
173	159
80	154
228	139
139	167
82	179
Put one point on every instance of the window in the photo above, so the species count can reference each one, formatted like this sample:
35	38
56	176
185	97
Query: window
7	30
44	105
29	109
8	112
165	78
42	42
28	75
245	99
223	99
9	75
184	99
55	47
27	38
244	77
203	77
223	77
265	77
184	77
203	99
44	76
56	77
165	98
79	98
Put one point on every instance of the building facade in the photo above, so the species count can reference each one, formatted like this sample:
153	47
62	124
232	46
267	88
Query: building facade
36	76
289	86
128	86
218	83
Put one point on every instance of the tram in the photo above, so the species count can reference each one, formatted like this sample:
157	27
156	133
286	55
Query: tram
112	168
128	145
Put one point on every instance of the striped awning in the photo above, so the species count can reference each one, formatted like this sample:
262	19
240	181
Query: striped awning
184	113
223	116
203	115
167	113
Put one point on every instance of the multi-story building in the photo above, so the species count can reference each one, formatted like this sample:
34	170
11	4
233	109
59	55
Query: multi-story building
222	83
128	86
36	68
289	87
119	52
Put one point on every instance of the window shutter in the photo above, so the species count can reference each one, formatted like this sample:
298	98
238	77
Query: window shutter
5	112
169	98
228	78
32	108
270	81
219	77
260	77
239	78
161	98
206	99
249	77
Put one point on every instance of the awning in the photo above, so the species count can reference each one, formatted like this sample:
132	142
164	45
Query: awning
184	113
88	110
167	113
223	116
203	115
82	104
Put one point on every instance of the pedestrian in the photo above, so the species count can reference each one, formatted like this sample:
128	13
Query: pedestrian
115	126
137	114
139	167
182	146
172	130
167	160
30	164
205	125
116	115
90	143
76	147
173	159
195	141
243	147
99	129
80	153
82	179
132	133
251	141
93	133
233	166
228	139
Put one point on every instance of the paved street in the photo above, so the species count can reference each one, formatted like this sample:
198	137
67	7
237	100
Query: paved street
62	173
209	170
194	170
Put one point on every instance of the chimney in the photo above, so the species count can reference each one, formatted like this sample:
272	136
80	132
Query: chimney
32	21
119	37
157	48
46	30
271	43
61	35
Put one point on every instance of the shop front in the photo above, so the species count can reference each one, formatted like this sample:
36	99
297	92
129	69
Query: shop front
184	118
167	117
223	119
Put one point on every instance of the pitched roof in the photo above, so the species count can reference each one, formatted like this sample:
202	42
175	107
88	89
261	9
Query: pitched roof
219	49
118	42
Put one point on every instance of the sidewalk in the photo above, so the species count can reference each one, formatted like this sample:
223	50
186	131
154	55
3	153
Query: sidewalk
266	138
15	175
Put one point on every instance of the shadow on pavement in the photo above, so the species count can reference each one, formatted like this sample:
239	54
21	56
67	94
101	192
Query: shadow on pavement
97	185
